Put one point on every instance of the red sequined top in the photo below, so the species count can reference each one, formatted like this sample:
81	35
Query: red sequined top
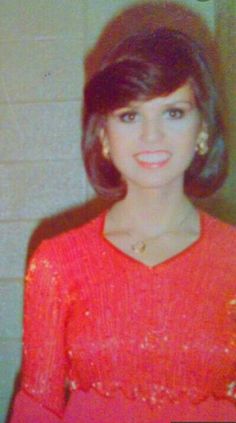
97	319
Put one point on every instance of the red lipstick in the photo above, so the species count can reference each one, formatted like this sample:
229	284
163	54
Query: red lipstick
153	159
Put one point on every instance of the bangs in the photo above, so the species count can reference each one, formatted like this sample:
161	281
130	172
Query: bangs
132	80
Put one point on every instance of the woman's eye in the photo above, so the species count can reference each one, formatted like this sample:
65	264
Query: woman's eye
175	113
128	117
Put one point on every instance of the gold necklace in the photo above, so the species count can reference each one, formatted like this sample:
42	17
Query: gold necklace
140	246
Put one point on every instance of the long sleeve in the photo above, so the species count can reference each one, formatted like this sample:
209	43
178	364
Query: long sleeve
44	362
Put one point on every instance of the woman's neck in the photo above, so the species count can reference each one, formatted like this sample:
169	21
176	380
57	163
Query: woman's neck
150	211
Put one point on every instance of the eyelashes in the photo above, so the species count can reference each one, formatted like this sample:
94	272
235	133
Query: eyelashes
175	113
132	116
128	117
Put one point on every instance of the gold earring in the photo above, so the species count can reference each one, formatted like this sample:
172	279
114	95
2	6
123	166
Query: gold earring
202	145
106	151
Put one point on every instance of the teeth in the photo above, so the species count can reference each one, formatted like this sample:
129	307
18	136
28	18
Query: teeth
154	157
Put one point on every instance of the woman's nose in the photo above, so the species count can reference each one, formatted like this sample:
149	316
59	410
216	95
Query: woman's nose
152	131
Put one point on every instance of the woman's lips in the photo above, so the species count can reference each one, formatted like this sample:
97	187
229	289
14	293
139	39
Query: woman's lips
153	159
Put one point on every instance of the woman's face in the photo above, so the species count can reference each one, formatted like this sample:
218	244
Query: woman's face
152	143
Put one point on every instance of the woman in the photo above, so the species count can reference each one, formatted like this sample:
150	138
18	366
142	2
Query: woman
133	314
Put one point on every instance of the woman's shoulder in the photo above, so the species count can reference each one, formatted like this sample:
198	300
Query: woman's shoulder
218	224
86	231
218	231
70	242
58	258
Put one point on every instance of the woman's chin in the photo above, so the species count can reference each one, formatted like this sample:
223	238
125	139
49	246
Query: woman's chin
157	184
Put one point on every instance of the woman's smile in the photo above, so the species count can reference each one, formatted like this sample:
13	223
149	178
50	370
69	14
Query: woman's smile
153	159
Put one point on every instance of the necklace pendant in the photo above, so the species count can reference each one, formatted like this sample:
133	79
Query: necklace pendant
139	247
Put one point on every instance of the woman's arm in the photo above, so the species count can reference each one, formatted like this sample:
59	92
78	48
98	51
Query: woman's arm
44	359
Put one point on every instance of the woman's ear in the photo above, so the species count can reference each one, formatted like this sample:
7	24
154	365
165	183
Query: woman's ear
105	144
202	140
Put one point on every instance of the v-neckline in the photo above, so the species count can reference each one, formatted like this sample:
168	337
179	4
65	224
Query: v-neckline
133	260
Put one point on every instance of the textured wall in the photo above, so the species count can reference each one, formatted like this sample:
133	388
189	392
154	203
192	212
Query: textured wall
226	36
42	47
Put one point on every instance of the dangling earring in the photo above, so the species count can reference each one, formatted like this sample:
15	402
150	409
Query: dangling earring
106	150
202	146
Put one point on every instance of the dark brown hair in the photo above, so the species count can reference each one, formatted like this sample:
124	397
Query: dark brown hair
143	67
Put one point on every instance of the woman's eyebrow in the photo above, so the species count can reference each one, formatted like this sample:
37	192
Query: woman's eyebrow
125	108
184	102
134	106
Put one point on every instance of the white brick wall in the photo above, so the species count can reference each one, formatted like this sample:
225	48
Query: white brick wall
42	48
